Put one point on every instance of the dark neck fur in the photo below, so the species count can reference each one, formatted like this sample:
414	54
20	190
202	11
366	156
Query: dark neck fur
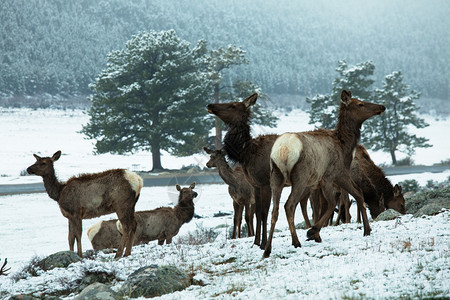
184	211
237	142
53	186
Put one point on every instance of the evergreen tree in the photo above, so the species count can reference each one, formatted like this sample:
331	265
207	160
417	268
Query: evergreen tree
357	79
389	132
151	96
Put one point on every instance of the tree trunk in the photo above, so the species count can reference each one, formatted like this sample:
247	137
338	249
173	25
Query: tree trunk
218	139
156	158
394	159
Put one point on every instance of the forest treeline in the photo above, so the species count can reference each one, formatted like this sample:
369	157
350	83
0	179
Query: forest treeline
59	47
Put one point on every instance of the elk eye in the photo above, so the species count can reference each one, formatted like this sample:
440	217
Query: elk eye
361	104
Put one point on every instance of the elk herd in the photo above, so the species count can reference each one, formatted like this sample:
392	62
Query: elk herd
324	166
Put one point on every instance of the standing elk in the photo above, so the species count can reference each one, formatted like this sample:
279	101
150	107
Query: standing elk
91	195
163	223
251	153
319	159
239	189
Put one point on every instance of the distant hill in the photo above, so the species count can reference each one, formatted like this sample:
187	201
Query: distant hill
59	47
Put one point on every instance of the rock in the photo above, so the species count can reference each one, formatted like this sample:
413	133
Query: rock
152	281
59	260
97	291
95	277
387	215
23	297
430	209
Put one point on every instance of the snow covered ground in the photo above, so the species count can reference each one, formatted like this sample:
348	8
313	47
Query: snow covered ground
409	257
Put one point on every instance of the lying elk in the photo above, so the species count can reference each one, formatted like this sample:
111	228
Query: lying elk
319	159
239	189
251	153
91	195
163	223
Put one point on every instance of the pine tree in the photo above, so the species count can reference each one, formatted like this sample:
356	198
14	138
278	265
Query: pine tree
357	79
151	96
389	132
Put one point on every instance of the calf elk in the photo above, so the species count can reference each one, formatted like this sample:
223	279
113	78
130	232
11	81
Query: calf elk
318	159
163	223
91	195
240	190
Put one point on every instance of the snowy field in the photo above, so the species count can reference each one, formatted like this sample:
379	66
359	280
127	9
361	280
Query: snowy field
409	258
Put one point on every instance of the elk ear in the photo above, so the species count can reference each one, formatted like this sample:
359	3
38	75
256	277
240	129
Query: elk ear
56	156
250	100
346	96
397	190
207	150
37	157
178	187
192	186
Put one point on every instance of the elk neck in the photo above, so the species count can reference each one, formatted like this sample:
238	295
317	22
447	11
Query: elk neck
348	131
226	172
53	186
184	211
238	142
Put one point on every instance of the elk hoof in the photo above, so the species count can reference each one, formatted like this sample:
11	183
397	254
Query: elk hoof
297	245
311	234
367	231
267	253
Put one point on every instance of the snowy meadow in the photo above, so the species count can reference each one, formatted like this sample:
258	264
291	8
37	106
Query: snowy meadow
408	257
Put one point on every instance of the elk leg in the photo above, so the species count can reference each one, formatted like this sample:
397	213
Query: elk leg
249	219
329	196
169	240
129	228
297	195
276	183
71	235
303	206
350	186
258	209
161	242
266	197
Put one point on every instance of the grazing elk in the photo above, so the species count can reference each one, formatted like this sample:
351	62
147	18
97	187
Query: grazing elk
239	189
318	159
251	153
91	195
163	223
379	194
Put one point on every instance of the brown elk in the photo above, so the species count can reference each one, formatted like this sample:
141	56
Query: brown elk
91	195
379	194
163	223
318	159
105	235
240	190
251	153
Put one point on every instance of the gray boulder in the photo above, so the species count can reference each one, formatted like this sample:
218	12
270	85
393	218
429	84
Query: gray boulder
59	260
387	215
97	291
152	281
431	209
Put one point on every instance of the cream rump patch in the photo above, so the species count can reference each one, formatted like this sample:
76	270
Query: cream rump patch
92	232
286	152
135	181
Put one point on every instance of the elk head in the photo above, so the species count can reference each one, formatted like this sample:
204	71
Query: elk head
215	157
397	202
233	112
357	109
187	195
43	165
